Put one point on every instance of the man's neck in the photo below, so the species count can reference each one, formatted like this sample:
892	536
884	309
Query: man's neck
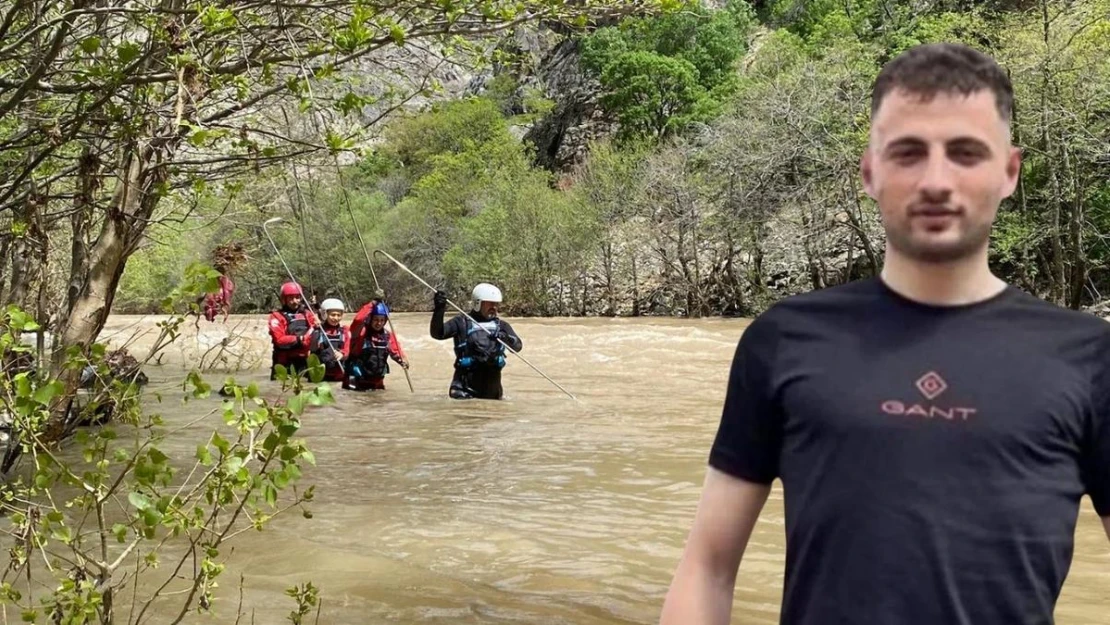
941	284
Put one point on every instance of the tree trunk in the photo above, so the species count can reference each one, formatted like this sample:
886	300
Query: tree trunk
134	201
855	218
26	253
607	265
1079	254
5	249
89	182
635	289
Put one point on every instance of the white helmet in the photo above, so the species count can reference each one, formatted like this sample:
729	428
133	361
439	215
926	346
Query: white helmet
332	304
486	293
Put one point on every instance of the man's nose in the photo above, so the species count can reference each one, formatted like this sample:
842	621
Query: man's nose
937	179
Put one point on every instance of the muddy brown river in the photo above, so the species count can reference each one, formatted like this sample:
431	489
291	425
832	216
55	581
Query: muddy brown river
536	509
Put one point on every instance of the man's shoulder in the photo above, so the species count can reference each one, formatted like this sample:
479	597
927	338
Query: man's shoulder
854	298
1062	321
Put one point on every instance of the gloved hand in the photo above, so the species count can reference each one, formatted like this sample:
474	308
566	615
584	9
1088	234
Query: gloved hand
379	295
440	300
404	364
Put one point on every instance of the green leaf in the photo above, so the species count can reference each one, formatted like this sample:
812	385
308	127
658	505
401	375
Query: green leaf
296	404
90	44
203	455
128	51
139	500
398	34
44	394
62	534
120	531
22	386
269	493
151	517
233	464
220	443
156	456
309	457
271	442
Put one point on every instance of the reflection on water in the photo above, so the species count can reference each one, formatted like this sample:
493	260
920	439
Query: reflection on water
536	509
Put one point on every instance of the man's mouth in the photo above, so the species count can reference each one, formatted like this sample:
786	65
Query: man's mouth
934	211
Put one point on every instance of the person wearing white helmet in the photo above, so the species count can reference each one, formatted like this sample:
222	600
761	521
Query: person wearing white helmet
333	345
479	352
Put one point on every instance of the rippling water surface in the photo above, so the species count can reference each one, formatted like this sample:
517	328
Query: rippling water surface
537	509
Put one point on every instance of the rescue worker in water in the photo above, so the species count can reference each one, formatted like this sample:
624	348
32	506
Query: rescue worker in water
371	348
479	356
291	331
332	344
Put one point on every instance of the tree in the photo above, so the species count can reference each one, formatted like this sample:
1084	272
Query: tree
108	107
661	73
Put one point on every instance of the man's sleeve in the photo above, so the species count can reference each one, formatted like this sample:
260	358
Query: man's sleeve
456	326
749	436
510	337
395	348
278	333
1096	448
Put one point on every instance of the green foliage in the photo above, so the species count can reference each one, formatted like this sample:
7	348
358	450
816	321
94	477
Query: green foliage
122	499
660	73
450	128
729	185
528	238
653	94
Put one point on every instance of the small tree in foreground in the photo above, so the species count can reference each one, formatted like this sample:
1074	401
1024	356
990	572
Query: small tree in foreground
112	527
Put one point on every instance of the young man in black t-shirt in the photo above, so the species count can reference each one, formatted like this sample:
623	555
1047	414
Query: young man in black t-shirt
934	429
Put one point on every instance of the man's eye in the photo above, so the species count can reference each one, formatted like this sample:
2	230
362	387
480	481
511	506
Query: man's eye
965	155
906	155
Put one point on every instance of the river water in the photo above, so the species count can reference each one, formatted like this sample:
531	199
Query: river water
537	509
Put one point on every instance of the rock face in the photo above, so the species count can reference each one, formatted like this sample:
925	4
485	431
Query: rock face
562	137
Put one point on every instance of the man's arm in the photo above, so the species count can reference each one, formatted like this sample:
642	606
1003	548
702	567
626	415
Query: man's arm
744	462
509	336
279	334
438	329
702	588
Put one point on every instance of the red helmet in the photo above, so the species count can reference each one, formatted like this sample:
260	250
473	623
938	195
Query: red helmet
290	288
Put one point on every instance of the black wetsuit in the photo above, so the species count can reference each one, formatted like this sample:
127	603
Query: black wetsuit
473	379
932	458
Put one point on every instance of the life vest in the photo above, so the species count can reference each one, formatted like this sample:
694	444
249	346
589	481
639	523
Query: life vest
479	348
337	340
296	323
374	358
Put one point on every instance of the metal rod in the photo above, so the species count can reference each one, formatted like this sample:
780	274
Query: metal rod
467	315
289	272
373	274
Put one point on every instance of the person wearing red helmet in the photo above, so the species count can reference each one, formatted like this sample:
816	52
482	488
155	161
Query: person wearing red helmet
371	348
291	331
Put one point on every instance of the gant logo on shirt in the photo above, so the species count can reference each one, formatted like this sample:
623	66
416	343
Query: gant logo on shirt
931	386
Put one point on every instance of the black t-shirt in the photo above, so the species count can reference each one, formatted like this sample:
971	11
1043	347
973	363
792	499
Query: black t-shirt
932	458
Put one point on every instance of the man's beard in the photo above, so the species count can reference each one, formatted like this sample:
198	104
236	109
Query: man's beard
970	243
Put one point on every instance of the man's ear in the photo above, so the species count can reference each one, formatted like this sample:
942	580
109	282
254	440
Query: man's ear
866	173
1013	172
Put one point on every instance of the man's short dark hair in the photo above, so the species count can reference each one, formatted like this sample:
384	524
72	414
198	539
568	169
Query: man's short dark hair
951	68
